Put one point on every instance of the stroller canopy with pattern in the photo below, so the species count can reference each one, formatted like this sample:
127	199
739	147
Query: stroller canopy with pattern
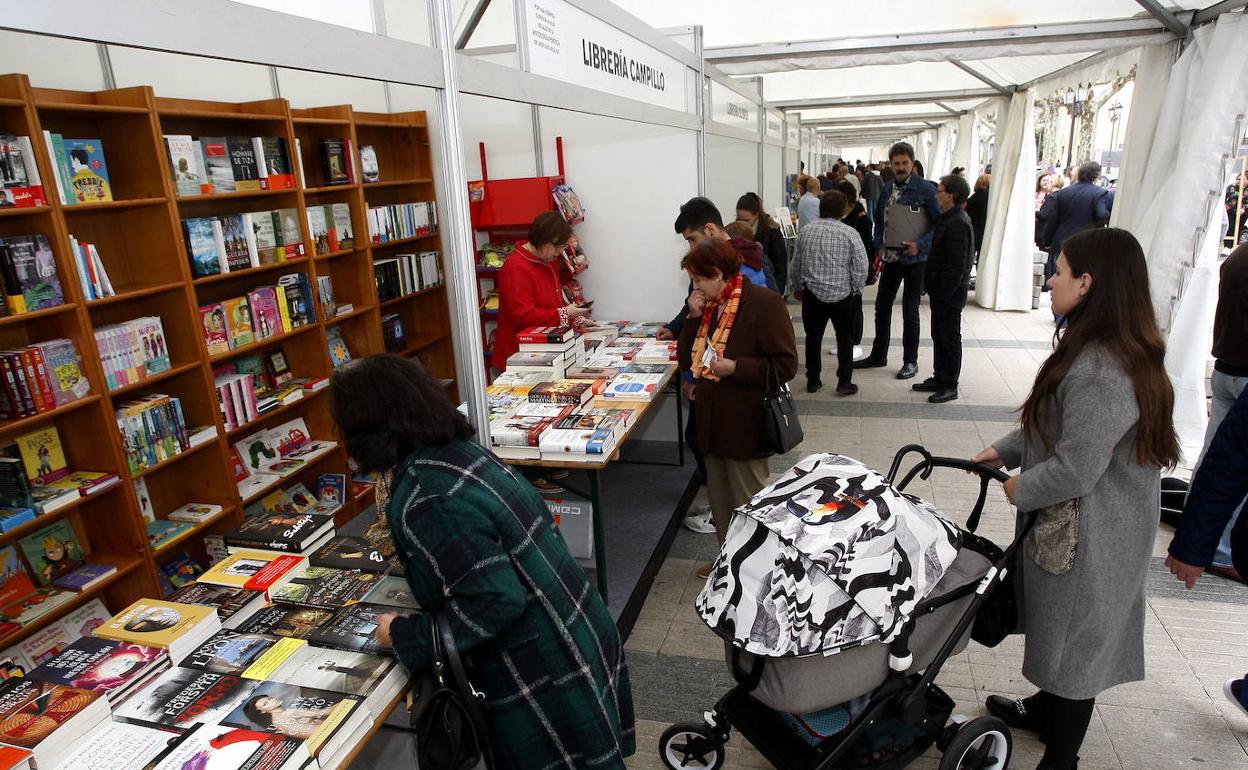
828	557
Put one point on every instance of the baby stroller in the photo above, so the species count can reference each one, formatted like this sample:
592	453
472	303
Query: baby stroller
832	586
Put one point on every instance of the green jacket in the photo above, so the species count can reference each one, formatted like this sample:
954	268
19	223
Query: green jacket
480	542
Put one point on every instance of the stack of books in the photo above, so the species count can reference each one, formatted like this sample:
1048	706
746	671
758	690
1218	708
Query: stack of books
40	377
405	274
175	628
220	164
262	458
231	242
48	719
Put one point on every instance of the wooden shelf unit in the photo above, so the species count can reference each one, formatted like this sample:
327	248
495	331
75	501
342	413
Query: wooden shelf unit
140	241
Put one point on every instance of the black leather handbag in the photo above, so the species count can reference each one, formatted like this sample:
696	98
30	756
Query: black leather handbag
781	431
448	715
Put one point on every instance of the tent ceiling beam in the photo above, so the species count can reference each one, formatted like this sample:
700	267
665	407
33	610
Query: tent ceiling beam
935	46
1163	15
875	121
949	109
474	20
901	128
1211	13
872	100
968	69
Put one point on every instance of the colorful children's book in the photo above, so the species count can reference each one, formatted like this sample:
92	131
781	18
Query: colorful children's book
16	580
331	487
43	456
52	552
212	319
238	322
89	172
86	576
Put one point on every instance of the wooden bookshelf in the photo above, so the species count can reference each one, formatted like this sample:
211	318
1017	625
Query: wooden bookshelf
140	241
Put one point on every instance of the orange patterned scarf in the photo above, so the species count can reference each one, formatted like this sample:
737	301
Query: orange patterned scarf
730	298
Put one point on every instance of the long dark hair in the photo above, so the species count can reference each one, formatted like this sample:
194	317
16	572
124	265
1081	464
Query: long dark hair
1117	313
752	203
386	407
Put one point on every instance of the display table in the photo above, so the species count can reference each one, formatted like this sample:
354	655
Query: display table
593	468
377	725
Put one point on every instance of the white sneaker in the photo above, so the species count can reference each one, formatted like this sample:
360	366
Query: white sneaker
700	521
857	352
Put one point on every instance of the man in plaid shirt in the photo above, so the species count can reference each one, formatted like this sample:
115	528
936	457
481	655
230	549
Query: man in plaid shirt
828	271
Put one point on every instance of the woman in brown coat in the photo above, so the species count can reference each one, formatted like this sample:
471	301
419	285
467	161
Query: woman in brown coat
735	331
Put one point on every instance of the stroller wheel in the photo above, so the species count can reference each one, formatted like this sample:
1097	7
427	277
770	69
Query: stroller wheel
691	745
980	744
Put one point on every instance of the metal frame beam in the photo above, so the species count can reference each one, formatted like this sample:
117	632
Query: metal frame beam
1214	11
474	21
881	119
874	100
936	44
981	77
1163	15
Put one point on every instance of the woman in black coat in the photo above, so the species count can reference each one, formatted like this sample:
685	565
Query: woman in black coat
767	234
977	209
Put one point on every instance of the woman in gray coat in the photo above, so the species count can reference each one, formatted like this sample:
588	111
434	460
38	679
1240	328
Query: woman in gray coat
1095	433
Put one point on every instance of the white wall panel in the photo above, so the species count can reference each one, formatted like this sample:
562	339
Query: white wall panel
507	130
317	89
773	178
190	77
631	177
731	171
52	62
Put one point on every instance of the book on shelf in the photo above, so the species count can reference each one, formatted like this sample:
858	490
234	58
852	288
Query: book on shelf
205	245
84	620
275	170
212	324
285	532
238	322
334	162
186	164
353	552
232	604
52	552
324	587
12	518
41	377
29	272
320	219
352	627
161	532
31	608
85	577
43	645
114	669
131	352
393	333
369	170
179	571
289	234
217	163
300	305
393	591
16	580
194	513
92	275
277	367
48	718
339	352
325	294
81	162
253	570
178	628
400	221
243	164
20	182
341	226
241	249
266	317
153	429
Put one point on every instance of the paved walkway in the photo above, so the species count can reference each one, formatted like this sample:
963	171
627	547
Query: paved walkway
1196	640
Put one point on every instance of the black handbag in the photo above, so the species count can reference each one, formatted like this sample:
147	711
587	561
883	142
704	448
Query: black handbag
781	431
997	617
448	715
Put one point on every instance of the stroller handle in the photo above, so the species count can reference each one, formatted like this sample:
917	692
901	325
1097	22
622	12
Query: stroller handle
929	463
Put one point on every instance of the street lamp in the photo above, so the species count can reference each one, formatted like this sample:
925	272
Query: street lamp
1074	99
1115	111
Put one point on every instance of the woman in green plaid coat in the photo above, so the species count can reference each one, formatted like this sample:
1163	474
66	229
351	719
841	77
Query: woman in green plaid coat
480	544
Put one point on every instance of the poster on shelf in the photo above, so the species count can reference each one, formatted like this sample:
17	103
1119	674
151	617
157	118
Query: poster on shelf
569	44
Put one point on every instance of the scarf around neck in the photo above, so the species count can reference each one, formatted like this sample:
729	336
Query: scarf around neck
730	298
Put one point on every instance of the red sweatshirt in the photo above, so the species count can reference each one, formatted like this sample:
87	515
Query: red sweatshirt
528	295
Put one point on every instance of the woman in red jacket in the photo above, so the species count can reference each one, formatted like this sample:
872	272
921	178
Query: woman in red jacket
529	292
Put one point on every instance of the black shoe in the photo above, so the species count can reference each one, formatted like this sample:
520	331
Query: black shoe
943	396
908	371
813	386
870	363
1073	765
846	389
930	385
1012	711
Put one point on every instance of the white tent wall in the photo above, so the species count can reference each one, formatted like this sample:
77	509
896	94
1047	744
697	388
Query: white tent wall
1190	147
631	178
731	171
772	188
942	152
962	147
52	62
506	127
1005	268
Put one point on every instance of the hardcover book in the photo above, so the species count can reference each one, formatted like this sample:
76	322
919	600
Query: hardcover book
43	456
238	322
352	552
265	235
287	532
331	488
266	317
325	587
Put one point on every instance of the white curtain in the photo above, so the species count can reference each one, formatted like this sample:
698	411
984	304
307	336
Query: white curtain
943	153
962	149
1192	143
1005	265
1152	76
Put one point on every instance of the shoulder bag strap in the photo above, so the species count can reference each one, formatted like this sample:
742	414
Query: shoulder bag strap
473	698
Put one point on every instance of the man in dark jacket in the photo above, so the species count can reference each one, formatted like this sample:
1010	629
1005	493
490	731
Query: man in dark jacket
947	278
903	262
1082	205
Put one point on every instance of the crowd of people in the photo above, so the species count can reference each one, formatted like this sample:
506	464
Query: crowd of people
1093	437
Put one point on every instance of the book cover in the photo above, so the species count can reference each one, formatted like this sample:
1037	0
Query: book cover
288	532
84	577
353	552
33	606
195	513
257	451
369	170
334	161
226	600
238	322
52	551
181	570
561	392
217	163
285	620
318	228
151	335
127	747
64	365
342	671
325	587
46	643
352	628
277	163
339	353
217	747
32	711
392	591
290	436
34	266
12	518
331	488
183	164
88	171
16	580
201	245
99	665
302	713
161	532
243	163
228	652
290	232
301	498
265	237
212	320
183	696
234	231
154	623
342	225
265	315
84	620
278	368
518	431
534	359
543	335
254	570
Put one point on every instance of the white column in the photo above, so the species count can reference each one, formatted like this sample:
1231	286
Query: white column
1005	266
962	148
943	152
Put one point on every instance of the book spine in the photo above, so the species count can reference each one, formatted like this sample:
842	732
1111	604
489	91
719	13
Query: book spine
257	146
60	187
23	387
46	377
35	383
105	285
61	159
283	311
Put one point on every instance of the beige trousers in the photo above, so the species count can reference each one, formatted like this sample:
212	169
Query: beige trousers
731	483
